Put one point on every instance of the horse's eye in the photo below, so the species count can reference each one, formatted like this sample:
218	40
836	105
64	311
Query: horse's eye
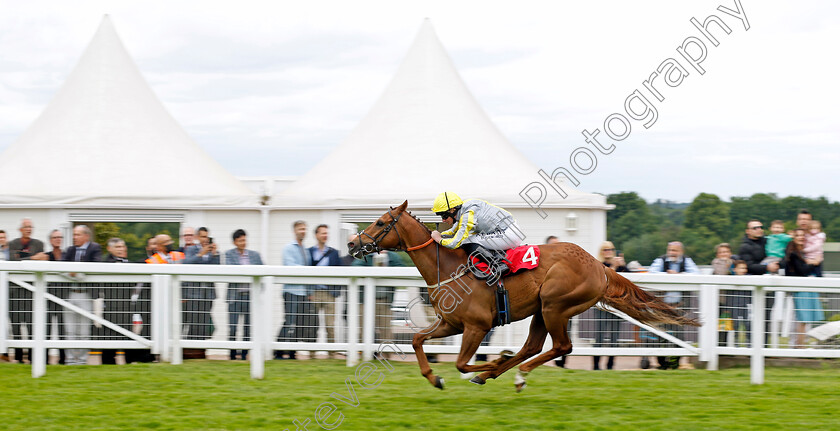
380	223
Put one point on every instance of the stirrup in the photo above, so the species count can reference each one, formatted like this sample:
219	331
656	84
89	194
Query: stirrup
502	306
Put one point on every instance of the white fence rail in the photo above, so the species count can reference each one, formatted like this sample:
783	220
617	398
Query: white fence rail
26	302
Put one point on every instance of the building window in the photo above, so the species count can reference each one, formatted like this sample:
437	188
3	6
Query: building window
571	222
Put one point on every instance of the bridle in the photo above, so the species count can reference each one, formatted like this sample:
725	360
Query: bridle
373	246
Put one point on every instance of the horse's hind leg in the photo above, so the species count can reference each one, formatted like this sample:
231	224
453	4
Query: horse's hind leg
562	345
556	322
533	345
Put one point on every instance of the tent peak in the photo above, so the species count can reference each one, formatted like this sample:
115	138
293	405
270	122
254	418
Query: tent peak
106	120
430	114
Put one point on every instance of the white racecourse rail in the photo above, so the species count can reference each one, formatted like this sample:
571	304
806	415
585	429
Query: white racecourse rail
702	294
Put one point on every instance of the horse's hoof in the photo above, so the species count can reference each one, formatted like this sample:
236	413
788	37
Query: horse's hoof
519	380
439	382
477	380
507	354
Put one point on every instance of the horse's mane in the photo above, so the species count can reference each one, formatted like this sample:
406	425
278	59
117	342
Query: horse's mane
418	221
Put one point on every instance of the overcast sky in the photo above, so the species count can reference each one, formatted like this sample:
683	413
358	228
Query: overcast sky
268	88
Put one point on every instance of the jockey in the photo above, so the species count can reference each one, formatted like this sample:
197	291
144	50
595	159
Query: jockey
477	225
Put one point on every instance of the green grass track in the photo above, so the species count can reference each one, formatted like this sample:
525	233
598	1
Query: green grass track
219	395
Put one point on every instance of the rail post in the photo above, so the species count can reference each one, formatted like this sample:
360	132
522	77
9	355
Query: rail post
39	327
757	354
161	303
175	319
369	328
709	313
258	330
353	322
4	312
267	322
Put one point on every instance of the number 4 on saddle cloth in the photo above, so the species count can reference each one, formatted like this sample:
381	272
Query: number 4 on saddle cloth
483	261
492	265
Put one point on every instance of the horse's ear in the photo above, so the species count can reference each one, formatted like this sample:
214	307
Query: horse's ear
403	206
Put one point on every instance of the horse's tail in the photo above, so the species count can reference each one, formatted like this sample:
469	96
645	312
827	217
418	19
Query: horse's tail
625	296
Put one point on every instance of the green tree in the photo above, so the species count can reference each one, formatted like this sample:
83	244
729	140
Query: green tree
670	212
700	244
102	232
642	230
645	248
135	235
624	202
761	206
707	210
832	231
632	218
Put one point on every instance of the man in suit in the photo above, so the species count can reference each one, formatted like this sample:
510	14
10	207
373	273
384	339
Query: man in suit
141	309
117	298
76	326
238	294
55	311
20	299
323	296
197	297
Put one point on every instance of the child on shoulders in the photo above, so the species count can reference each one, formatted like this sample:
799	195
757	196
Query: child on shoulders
813	250
777	243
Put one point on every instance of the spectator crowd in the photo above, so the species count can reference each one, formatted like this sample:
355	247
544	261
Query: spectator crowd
127	305
798	252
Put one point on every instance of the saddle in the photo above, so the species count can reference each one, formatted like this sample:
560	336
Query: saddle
494	265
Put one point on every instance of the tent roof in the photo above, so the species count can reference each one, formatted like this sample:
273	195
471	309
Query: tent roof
105	139
424	135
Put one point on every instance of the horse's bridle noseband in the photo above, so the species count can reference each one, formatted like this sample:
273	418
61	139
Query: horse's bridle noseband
373	246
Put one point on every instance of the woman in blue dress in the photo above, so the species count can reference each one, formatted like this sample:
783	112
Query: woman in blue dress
807	304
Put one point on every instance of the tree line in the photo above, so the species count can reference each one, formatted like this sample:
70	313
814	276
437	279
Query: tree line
642	230
135	235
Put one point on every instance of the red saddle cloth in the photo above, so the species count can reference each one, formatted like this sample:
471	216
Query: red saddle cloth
520	258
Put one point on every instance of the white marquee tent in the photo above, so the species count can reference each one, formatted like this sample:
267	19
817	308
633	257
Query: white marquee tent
425	134
108	133
109	139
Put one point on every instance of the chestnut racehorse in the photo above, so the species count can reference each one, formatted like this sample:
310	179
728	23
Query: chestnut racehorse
568	281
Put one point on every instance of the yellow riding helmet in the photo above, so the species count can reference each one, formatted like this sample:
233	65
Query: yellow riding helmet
446	201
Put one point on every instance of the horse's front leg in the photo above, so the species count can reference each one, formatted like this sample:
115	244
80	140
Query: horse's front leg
438	329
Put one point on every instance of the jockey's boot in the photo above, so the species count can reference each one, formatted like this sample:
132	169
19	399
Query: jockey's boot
495	259
501	266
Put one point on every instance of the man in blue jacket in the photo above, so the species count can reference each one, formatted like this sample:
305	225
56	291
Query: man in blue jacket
239	294
297	325
323	296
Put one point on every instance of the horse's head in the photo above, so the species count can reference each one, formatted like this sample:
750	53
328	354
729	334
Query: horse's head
380	235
